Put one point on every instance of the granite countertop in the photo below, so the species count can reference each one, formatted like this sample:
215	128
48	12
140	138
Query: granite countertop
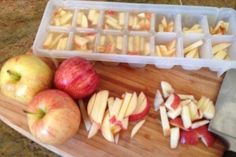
19	21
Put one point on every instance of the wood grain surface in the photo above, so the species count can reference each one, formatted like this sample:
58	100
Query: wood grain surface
149	141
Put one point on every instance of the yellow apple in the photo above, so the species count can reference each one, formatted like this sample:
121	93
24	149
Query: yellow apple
23	76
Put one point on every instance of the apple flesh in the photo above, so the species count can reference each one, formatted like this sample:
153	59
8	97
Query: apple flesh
23	76
142	108
76	77
53	117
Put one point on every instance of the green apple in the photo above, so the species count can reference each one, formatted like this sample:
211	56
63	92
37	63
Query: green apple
23	76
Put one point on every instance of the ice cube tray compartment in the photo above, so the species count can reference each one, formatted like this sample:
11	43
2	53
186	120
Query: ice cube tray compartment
182	16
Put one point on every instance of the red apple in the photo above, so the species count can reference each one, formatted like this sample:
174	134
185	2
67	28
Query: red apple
76	77
53	117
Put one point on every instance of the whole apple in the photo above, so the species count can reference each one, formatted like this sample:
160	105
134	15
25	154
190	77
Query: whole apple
76	77
53	117
23	76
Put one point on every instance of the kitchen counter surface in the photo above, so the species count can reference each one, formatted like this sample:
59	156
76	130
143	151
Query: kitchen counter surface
19	22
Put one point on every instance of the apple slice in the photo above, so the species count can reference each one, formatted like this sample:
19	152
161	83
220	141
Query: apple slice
119	42
199	124
93	130
125	123
193	46
186	96
172	102
206	137
137	127
115	109
132	105
48	40
142	108
85	117
174	137
80	41
221	55
106	130
209	112
185	115
167	89
66	18
174	113
99	106
117	138
193	110
218	47
177	122
189	137
91	104
110	102
124	106
164	121
158	100
121	17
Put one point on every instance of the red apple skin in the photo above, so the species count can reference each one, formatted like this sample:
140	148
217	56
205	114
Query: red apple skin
141	115
76	77
61	120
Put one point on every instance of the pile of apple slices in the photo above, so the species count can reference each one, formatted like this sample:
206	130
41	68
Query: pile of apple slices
112	115
221	28
188	116
192	50
110	44
114	20
194	29
140	21
62	17
138	45
56	41
87	18
168	50
220	51
84	41
165	26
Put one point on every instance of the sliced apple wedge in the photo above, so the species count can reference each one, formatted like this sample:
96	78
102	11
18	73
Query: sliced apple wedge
93	130
91	104
193	110
132	105
185	115
115	109
106	128
186	96
174	137
142	108
84	114
158	100
172	102
99	106
124	106
209	112
177	122
167	89
125	123
117	138
172	114
110	102
164	121
199	124
137	127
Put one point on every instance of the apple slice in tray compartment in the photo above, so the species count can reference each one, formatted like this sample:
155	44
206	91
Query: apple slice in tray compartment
114	20
140	21
110	44
138	45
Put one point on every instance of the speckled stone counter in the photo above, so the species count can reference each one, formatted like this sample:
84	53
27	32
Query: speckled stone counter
19	21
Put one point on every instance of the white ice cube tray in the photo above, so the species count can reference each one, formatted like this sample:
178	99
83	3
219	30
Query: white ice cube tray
180	15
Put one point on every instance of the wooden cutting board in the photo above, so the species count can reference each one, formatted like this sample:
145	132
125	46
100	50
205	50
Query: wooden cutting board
149	141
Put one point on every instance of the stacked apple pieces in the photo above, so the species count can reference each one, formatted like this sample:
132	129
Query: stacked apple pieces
165	26
220	51
139	21
112	115
110	44
168	50
188	116
56	41
114	20
62	17
221	28
138	45
192	50
84	42
87	18
196	28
